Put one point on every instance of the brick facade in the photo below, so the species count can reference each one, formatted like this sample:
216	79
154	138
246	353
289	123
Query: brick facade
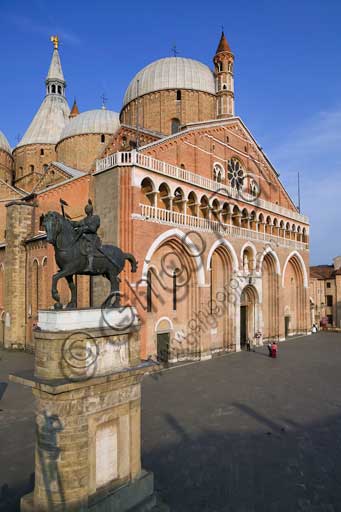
158	109
159	202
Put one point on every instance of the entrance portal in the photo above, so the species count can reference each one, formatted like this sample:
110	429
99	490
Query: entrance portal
243	326
286	325
163	340
248	318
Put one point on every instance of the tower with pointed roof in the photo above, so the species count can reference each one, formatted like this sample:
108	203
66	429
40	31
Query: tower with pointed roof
74	110
37	147
223	71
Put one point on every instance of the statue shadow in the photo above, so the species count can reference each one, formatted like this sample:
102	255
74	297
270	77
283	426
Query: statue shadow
48	454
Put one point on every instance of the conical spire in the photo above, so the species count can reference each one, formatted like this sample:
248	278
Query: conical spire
55	83
53	114
4	144
74	111
223	45
55	69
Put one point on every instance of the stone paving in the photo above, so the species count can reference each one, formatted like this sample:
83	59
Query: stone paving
239	433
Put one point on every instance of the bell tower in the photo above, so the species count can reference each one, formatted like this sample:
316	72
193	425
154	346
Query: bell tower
55	83
223	72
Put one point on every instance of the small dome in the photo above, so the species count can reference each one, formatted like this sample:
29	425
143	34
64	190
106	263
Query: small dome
171	73
4	144
92	121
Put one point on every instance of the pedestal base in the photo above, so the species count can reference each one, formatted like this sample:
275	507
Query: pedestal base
136	496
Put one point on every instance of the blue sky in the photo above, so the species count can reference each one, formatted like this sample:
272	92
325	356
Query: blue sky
287	75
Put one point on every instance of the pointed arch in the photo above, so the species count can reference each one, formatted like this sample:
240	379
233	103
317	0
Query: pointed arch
268	250
270	272
294	255
192	248
230	249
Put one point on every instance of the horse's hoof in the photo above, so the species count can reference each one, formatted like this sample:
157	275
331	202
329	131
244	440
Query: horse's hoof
58	306
71	305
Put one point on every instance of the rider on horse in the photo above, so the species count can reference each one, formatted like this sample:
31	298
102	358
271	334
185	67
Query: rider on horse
87	231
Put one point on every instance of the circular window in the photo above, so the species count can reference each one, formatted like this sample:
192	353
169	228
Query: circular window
235	173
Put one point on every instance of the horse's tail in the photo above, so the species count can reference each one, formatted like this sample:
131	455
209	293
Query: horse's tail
132	260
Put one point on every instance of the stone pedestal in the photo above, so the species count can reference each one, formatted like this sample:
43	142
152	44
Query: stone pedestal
87	385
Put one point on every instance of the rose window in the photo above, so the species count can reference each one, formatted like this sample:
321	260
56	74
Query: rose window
235	173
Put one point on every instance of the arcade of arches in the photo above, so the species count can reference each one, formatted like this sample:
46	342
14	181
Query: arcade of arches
201	302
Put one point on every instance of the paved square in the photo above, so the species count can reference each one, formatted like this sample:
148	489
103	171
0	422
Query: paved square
241	433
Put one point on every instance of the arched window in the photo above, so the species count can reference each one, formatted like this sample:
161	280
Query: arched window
102	138
164	196
204	207
192	204
220	66
215	209
149	291
175	125
178	200
178	95
31	168
59	89
218	173
175	274
42	152
254	188
35	290
53	89
21	171
148	192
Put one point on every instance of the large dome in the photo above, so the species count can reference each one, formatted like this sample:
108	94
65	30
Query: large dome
171	73
4	145
92	121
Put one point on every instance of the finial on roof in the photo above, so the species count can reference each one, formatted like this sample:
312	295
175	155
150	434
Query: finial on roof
55	41
175	51
104	100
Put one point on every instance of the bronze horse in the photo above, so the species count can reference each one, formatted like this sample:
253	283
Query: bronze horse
108	261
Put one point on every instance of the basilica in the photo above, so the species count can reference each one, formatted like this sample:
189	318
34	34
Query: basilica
179	181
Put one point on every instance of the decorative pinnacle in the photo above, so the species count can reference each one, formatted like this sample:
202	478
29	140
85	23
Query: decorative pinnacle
55	41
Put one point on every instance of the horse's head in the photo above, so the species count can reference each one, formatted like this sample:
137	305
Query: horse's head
52	225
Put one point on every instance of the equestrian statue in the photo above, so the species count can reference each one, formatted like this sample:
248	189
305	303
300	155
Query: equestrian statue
79	251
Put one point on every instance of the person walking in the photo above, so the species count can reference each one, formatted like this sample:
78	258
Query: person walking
269	349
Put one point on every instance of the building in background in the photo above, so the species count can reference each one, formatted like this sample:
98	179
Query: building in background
179	181
325	293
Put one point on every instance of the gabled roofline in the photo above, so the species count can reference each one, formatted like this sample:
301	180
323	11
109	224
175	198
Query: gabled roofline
213	123
18	190
52	187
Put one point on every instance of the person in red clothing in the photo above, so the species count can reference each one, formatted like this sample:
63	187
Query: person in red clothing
274	349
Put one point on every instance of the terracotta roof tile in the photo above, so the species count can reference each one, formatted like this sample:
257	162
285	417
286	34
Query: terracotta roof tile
322	271
223	45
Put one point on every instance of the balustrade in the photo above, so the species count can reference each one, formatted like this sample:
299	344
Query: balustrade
164	216
150	163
